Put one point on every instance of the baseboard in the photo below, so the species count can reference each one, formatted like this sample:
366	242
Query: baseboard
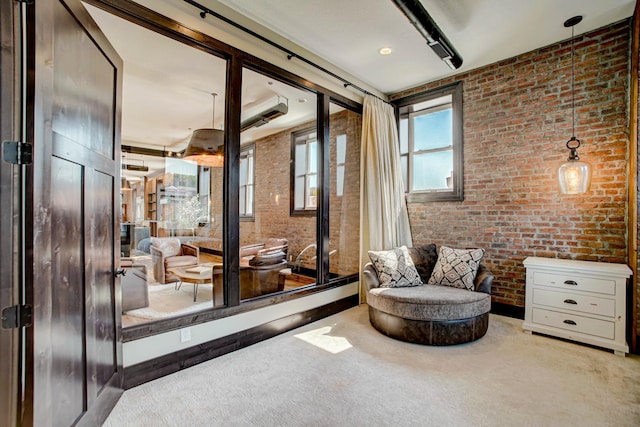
508	310
164	365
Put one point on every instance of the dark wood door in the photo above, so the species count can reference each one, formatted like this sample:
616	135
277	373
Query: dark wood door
74	359
9	215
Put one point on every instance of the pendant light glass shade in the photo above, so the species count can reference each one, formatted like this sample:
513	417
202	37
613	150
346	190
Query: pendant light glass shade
206	146
124	184
574	176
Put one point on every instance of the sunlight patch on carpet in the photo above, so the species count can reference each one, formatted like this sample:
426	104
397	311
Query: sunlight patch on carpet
321	339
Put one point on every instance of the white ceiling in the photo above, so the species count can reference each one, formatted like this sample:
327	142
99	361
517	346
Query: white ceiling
167	86
349	33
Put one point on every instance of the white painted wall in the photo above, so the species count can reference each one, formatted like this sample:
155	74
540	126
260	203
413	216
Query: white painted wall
148	348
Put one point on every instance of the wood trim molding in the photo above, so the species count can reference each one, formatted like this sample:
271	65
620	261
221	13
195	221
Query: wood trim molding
508	310
174	362
632	218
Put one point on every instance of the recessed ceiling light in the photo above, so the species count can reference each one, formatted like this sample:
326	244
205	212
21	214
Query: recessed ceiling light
385	51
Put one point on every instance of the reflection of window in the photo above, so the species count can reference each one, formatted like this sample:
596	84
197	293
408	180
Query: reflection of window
341	155
247	173
204	191
431	144
304	171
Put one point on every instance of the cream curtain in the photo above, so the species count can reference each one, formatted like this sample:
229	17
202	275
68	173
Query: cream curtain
385	222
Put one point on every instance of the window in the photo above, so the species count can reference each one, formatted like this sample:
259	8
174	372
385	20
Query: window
247	173
430	132
304	167
341	155
204	190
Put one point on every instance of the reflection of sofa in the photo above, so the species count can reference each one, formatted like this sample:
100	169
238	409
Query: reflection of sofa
429	314
260	265
169	252
208	237
135	292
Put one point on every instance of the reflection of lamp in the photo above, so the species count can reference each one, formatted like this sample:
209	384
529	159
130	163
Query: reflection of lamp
574	175
206	146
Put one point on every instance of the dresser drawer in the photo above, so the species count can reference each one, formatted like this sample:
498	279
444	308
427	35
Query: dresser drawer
575	302
575	282
572	322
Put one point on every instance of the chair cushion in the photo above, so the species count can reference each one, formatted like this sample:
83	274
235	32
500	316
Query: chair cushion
395	268
429	302
456	267
170	246
180	261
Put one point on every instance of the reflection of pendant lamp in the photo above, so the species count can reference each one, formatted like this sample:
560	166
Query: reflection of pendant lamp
206	146
124	184
574	175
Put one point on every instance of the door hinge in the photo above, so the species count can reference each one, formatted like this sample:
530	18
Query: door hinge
17	152
17	316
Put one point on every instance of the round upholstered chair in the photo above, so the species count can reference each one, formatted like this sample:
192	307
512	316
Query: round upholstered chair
429	313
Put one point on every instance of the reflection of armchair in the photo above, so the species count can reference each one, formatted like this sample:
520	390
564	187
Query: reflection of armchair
260	265
167	253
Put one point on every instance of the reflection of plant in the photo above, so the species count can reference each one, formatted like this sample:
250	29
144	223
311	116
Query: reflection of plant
190	212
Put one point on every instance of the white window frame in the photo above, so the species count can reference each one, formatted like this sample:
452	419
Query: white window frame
306	137
248	154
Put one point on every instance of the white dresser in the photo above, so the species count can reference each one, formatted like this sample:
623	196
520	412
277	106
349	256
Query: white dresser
578	300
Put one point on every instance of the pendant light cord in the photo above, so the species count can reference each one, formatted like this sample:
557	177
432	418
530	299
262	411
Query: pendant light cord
213	121
573	100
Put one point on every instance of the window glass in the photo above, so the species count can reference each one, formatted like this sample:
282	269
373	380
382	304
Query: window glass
432	129
344	196
271	239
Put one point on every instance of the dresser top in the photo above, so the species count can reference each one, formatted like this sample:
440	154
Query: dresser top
583	266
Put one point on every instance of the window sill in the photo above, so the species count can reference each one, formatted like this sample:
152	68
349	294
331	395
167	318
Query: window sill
444	196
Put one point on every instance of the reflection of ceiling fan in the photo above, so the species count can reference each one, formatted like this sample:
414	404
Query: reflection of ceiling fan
265	116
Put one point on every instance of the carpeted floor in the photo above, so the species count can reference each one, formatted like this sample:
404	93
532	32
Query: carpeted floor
339	371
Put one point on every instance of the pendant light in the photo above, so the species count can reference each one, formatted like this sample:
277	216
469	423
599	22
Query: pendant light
124	184
206	146
574	175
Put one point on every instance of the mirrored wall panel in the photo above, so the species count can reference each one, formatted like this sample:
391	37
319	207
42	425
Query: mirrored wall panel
171	208
344	196
278	187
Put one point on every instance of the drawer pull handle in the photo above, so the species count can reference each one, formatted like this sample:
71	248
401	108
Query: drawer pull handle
571	282
569	322
570	301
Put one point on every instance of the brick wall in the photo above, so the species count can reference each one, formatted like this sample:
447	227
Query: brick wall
517	119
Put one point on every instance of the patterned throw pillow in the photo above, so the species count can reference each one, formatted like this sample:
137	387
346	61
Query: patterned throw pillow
395	268
456	267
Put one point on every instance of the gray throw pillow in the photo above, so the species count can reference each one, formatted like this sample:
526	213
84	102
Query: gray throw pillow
456	267
395	268
424	258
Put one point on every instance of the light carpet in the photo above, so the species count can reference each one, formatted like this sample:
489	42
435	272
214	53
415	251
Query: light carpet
339	371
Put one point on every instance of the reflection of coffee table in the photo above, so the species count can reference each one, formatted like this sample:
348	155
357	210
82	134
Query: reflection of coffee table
201	274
